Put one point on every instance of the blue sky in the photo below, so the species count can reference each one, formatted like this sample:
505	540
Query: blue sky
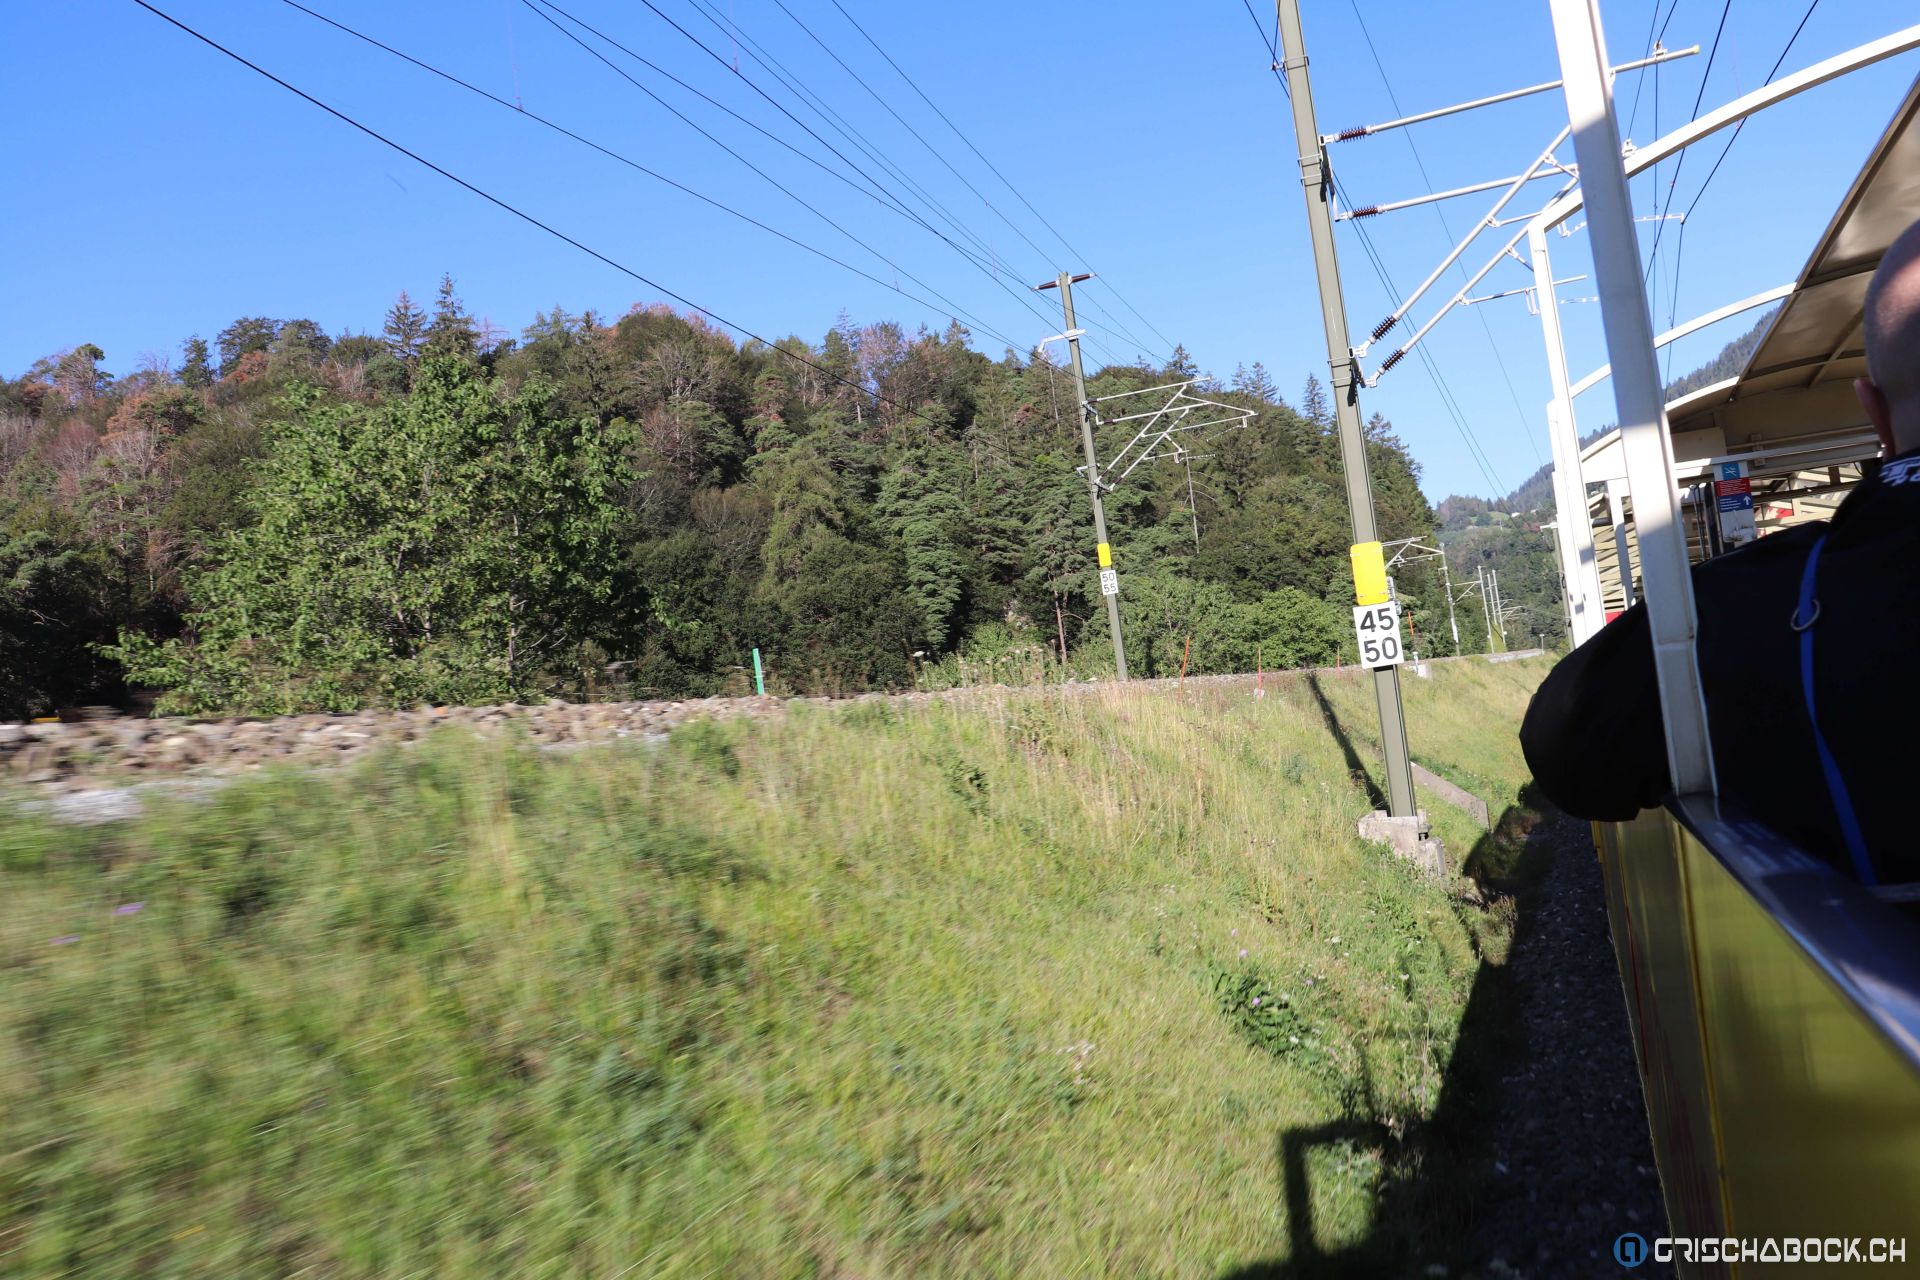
161	190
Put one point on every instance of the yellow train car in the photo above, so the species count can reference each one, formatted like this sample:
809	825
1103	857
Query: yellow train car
1775	1007
1774	1001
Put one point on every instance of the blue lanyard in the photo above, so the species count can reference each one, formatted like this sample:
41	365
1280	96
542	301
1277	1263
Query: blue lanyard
1804	616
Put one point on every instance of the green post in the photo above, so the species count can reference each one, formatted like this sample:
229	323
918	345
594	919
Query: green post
759	685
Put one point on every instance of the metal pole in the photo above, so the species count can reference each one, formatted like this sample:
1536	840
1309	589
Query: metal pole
1192	508
1577	564
1447	575
1065	283
1500	611
1486	614
1636	391
1317	183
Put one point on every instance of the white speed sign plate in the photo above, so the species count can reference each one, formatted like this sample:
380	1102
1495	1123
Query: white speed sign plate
1109	582
1377	629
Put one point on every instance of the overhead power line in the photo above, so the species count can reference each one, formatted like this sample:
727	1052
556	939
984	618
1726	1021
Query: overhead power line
1674	305
1500	361
1440	387
521	214
1652	40
1005	181
808	130
946	304
1680	160
995	260
883	198
814	102
1114	327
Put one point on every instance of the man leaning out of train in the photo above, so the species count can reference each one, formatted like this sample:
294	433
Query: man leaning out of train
1842	785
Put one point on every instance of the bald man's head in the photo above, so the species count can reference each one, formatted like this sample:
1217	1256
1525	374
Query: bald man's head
1891	390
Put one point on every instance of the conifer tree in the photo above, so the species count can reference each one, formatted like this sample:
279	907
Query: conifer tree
452	331
405	330
196	372
1313	404
1260	384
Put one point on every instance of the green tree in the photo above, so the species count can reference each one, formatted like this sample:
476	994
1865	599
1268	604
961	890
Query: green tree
1314	406
452	546
452	331
243	337
1059	567
405	329
302	343
196	372
921	505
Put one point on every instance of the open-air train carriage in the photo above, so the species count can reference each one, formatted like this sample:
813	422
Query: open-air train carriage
1775	1002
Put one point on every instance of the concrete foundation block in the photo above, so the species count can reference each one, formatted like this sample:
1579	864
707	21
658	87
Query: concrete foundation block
1409	838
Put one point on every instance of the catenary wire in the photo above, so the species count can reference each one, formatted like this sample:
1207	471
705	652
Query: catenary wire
814	102
1652	40
1680	161
524	216
782	109
885	202
818	104
1118	297
1733	138
1447	401
1499	360
946	304
1118	330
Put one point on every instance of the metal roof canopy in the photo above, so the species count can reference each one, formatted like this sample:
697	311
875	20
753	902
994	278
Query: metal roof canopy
1792	406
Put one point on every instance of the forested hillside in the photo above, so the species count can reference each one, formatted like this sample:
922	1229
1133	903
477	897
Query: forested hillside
284	520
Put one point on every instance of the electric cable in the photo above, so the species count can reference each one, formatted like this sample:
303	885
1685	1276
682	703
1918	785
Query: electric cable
1681	159
1652	40
1440	387
1505	376
818	104
775	103
1733	138
996	171
948	305
521	214
886	202
814	102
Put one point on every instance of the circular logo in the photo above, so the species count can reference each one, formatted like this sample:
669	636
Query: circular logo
1630	1250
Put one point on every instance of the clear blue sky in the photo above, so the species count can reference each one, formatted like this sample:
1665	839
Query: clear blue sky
161	190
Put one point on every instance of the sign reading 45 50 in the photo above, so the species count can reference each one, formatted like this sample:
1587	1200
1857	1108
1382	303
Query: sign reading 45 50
1377	629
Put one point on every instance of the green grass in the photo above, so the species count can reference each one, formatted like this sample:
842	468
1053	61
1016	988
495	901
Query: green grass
884	991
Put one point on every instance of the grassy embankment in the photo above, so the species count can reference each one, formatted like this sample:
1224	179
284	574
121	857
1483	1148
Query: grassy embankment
1029	985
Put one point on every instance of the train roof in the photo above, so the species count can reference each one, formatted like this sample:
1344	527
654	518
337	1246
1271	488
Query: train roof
1791	410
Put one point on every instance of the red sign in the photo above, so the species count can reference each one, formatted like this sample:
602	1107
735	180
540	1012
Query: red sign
1722	488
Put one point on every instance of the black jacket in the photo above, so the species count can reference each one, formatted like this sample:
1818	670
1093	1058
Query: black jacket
1592	735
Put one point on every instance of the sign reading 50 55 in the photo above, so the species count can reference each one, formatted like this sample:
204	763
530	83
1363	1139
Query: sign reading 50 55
1377	629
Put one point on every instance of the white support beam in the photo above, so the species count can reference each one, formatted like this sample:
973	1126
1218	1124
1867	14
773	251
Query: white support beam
1664	566
1694	325
1565	206
1586	609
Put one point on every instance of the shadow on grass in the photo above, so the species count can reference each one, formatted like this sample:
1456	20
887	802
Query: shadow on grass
1356	767
1433	1165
